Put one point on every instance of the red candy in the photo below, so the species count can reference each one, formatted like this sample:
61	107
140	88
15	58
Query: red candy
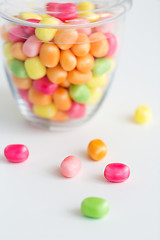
16	153
43	85
116	172
17	34
30	30
77	110
63	11
52	8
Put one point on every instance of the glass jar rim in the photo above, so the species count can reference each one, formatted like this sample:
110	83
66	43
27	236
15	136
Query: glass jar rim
121	7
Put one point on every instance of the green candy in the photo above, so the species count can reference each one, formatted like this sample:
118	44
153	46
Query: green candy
94	207
17	67
79	93
101	66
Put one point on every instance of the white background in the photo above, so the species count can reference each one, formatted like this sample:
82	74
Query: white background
36	203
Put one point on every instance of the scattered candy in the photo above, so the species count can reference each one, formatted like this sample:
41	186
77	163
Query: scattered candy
16	153
97	149
142	114
94	207
70	166
116	172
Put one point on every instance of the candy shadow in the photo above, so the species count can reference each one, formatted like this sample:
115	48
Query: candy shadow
101	178
76	212
129	119
55	172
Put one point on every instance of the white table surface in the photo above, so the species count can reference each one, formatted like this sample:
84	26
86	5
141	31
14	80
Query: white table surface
36	203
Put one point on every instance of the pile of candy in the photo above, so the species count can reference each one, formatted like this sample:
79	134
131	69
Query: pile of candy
92	207
59	73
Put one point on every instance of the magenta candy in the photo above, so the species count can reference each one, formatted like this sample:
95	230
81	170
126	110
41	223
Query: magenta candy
43	85
70	166
17	34
116	172
30	30
112	41
52	8
32	46
16	153
77	110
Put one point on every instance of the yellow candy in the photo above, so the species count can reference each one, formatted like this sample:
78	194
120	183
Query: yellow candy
47	111
95	96
44	16
112	64
35	69
7	50
46	34
85	6
142	114
92	17
98	81
29	15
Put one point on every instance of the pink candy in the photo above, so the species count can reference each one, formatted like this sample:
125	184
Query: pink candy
43	85
63	11
17	34
70	166
77	110
77	21
16	153
116	172
112	41
32	46
30	30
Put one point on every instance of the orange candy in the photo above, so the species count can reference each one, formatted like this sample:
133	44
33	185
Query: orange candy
62	99
65	38
67	60
77	77
22	83
56	74
4	33
99	44
86	63
60	117
82	47
49	54
39	98
97	149
17	51
65	83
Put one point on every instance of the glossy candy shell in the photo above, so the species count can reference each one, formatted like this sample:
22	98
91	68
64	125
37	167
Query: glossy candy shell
16	153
